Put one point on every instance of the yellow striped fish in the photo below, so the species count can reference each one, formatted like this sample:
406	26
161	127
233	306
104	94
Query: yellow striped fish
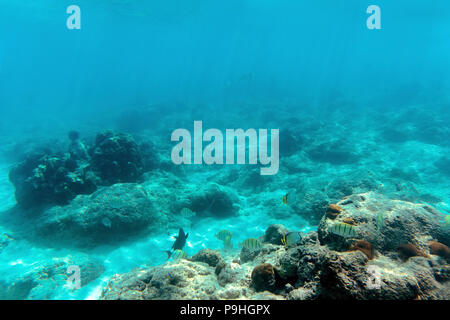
224	235
179	254
285	199
343	229
252	244
227	244
186	212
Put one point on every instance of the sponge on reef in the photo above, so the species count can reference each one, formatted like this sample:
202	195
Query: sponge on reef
439	249
333	211
363	246
409	250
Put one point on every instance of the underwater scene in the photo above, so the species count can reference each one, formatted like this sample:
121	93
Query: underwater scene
239	149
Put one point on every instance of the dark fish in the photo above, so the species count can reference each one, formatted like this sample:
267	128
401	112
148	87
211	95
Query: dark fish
179	243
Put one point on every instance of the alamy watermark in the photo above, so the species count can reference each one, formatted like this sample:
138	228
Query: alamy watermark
374	20
374	281
74	20
74	279
214	151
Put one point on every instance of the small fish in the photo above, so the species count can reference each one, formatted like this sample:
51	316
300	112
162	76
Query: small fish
169	276
8	236
106	222
252	244
380	221
186	212
285	198
343	229
291	238
447	222
227	244
224	235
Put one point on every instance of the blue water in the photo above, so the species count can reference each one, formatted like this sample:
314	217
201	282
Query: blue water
314	70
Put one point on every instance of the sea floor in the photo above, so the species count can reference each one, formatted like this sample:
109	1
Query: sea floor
401	155
21	256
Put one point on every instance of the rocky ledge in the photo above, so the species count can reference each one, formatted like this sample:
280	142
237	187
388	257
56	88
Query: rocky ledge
397	250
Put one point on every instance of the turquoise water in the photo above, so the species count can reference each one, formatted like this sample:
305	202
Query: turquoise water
358	110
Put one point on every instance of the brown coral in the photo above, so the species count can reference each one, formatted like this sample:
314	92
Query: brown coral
333	211
439	249
349	220
409	250
264	278
363	246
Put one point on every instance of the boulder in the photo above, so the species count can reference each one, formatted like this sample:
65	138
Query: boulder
208	256
111	214
214	200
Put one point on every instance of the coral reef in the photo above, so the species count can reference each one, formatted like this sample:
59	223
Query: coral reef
45	180
116	158
401	222
387	204
318	267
